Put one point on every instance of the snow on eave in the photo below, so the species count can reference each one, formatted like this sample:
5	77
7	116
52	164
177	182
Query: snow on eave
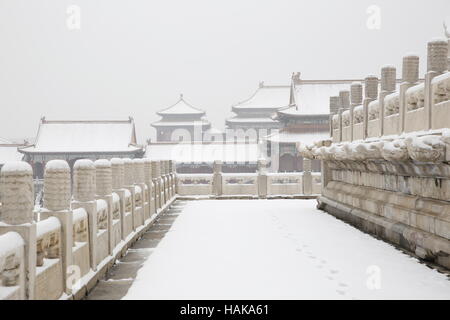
106	136
262	86
193	111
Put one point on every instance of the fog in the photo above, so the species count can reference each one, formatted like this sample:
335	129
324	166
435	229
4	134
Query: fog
132	58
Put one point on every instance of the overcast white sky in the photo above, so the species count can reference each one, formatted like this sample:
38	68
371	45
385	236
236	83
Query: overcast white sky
135	57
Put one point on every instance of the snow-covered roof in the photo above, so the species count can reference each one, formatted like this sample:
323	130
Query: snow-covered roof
168	123
9	152
204	152
313	97
295	136
266	97
181	107
84	136
4	141
251	120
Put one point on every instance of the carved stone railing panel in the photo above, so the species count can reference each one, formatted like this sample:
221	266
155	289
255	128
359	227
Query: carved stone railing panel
102	214
116	206
415	97
12	247
48	240
80	225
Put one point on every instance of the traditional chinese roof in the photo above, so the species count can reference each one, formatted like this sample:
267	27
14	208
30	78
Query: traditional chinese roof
5	141
245	120
268	98
291	135
181	107
200	122
312	97
92	136
9	152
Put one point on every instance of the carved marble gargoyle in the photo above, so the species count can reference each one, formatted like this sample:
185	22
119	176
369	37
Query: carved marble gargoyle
394	150
306	151
426	148
340	153
369	151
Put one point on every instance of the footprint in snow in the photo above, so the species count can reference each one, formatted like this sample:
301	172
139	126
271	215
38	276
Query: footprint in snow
341	292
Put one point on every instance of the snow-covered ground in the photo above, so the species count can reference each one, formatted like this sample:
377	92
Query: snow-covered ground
277	249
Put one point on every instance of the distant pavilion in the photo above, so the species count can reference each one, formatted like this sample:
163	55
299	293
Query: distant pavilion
181	121
257	111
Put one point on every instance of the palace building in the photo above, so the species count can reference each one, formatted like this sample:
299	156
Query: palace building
9	152
72	140
181	122
304	120
257	111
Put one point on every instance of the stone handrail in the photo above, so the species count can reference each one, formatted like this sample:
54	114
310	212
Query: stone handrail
78	234
412	107
389	174
260	184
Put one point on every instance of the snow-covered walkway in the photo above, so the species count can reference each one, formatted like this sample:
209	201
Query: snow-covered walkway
277	249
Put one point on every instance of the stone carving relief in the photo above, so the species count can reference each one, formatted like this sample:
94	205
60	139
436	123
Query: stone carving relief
374	110
415	98
392	104
426	148
358	115
394	150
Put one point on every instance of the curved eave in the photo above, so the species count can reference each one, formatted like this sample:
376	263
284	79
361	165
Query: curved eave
173	124
31	150
171	114
283	113
231	121
254	109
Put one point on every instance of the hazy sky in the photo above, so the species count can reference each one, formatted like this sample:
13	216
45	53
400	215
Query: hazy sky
134	57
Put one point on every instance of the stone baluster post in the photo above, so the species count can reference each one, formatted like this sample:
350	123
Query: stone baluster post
57	197
173	173
166	179
339	138
410	77
334	104
169	181
217	178
150	187
307	177
103	177
161	183
128	175
139	180
84	197
356	90
388	81
17	198
156	176
344	99
334	109
164	182
169	178
117	172
437	64
370	94
262	178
